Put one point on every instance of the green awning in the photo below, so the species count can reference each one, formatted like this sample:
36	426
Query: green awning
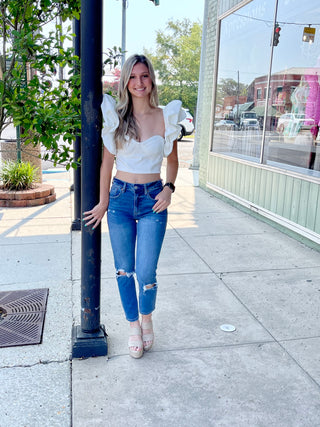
245	107
260	111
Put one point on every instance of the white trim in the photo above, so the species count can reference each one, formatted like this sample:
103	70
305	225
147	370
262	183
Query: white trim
299	229
233	9
214	89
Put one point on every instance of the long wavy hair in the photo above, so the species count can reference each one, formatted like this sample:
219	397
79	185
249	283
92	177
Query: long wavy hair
127	123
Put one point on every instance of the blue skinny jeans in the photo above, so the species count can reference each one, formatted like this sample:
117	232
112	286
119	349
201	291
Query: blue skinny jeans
136	235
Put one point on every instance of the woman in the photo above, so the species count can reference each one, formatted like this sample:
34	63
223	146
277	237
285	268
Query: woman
139	134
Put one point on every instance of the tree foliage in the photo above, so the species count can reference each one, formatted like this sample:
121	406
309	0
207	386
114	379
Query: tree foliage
229	87
30	95
111	87
177	62
34	45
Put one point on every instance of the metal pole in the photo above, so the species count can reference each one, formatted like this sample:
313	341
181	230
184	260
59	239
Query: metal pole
123	38
18	144
238	89
76	223
90	339
262	159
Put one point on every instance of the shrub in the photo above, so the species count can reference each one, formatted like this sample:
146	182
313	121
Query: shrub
18	176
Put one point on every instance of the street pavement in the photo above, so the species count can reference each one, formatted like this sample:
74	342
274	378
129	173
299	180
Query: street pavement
219	266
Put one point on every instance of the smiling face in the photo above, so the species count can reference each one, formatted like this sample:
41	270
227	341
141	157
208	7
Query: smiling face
140	82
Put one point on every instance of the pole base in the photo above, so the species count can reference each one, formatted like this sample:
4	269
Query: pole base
76	225
86	345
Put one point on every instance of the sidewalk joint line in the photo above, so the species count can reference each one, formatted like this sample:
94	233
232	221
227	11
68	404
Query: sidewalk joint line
44	362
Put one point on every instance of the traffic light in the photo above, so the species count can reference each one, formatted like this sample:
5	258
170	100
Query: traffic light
276	35
156	2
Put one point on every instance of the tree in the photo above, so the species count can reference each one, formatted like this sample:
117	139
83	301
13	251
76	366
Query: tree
30	95
32	50
177	62
229	87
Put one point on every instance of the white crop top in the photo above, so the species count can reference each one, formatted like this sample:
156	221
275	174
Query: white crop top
145	156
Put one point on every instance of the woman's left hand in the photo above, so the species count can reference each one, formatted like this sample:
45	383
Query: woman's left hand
163	200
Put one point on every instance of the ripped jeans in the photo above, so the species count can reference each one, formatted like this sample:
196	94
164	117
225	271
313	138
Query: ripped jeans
136	235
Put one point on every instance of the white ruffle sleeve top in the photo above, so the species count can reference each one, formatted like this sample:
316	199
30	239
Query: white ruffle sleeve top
145	156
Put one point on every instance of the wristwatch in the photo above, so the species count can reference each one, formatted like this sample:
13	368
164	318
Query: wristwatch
170	185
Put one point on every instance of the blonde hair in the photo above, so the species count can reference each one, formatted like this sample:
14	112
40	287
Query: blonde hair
124	108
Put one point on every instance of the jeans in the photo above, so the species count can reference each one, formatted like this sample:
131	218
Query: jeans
136	235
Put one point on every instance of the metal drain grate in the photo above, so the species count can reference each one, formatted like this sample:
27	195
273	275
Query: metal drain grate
22	315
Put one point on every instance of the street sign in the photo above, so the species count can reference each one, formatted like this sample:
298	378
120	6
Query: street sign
308	34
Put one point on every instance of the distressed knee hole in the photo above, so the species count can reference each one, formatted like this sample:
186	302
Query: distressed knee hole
148	287
123	273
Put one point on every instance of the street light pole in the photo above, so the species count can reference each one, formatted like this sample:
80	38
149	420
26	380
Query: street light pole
123	36
89	339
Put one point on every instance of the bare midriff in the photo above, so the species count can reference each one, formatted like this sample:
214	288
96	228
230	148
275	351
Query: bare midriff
137	178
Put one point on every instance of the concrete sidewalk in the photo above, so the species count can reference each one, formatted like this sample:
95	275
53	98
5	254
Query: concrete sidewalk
218	266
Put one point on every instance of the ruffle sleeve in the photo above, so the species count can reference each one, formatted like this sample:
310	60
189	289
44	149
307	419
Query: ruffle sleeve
110	122
173	113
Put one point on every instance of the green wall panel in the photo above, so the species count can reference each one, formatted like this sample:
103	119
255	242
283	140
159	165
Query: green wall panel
274	192
287	206
303	203
281	194
312	206
290	197
252	180
296	193
268	190
257	186
317	216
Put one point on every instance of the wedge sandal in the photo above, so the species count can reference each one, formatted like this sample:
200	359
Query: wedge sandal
135	340
147	337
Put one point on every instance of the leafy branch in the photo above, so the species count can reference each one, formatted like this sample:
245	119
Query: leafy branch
36	41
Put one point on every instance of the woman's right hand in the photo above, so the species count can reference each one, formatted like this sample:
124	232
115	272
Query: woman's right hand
95	215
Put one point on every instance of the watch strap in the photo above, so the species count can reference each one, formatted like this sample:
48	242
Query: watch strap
170	185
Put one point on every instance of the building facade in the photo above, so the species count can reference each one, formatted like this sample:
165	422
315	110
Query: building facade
260	70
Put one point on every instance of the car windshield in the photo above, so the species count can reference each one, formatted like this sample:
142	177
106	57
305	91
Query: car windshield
250	115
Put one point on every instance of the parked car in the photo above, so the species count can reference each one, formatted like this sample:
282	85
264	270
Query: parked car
249	120
292	122
187	126
226	125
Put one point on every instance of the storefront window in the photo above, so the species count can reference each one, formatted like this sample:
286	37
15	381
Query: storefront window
292	130
290	138
244	55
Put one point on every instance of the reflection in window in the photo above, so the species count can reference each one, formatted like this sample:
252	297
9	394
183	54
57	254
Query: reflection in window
292	138
292	131
243	57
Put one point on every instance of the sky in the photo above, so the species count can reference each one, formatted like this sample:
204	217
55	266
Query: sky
143	20
246	36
